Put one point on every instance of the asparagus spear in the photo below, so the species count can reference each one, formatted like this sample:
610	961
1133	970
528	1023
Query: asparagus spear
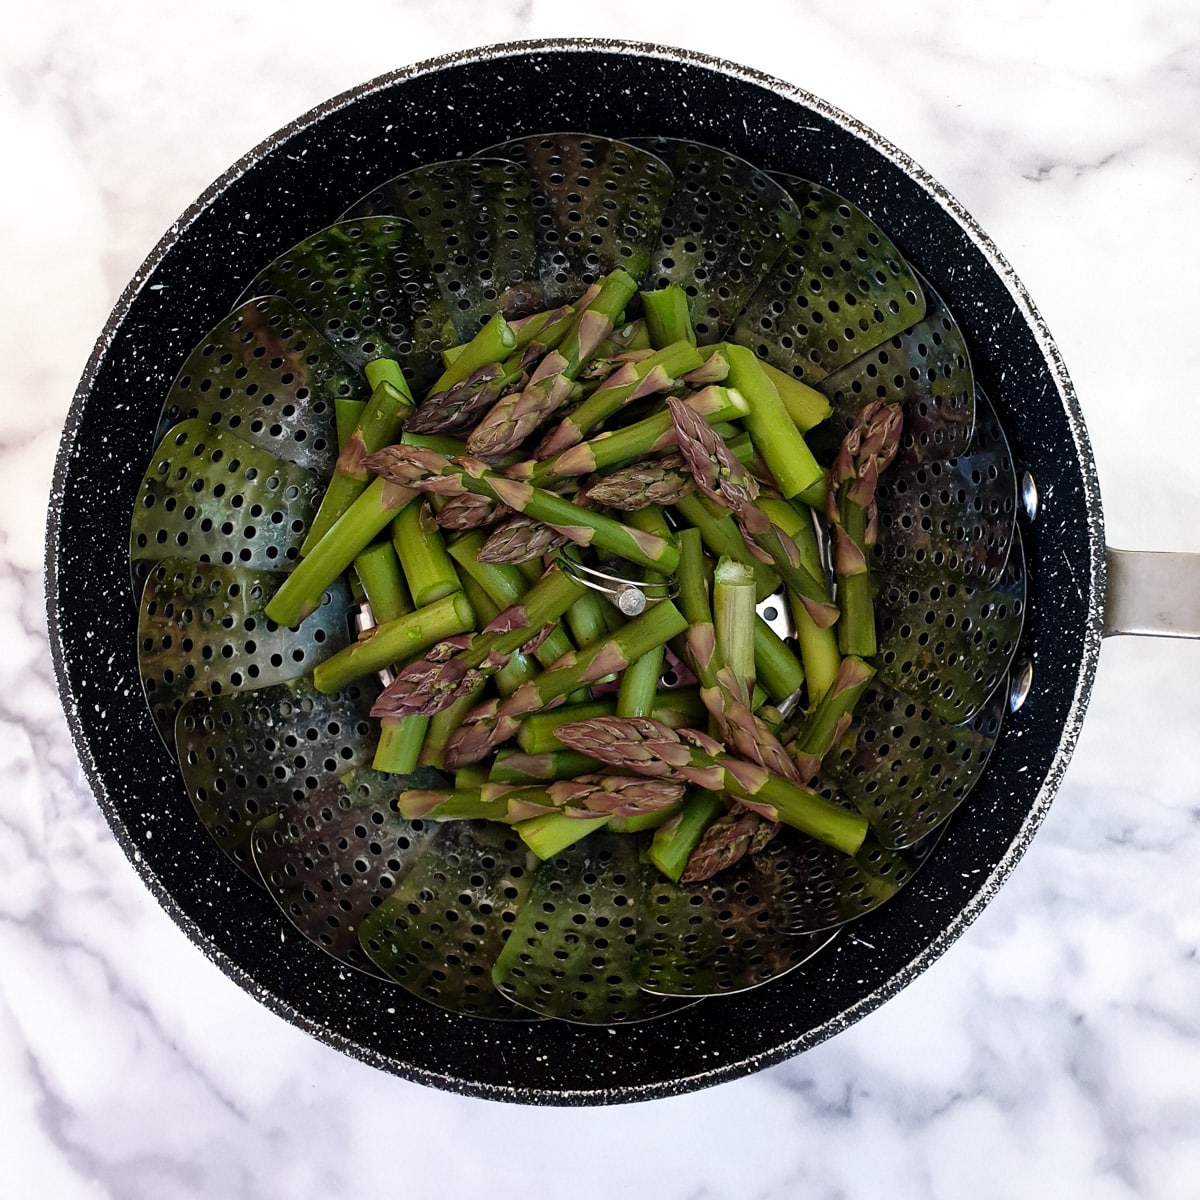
866	450
587	796
727	699
411	466
516	766
459	409
395	641
733	622
491	344
774	432
678	837
667	317
631	381
378	570
468	511
422	552
728	838
494	722
513	418
830	719
818	647
651	748
724	480
614	447
519	539
458	667
389	405
505	586
347	412
659	480
301	592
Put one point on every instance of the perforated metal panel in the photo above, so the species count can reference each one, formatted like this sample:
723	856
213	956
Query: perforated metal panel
926	369
951	517
725	225
367	286
905	768
949	645
211	497
246	755
474	219
597	205
572	953
439	931
331	857
816	889
838	291
714	938
265	374
202	631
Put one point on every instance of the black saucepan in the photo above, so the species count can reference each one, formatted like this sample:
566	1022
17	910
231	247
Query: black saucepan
300	180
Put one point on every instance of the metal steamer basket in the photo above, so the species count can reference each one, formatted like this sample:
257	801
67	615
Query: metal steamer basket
305	258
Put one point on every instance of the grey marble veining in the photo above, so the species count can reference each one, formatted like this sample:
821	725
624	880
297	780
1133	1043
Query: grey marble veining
1057	1041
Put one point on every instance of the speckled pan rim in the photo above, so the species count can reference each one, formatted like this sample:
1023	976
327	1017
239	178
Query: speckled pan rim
1071	726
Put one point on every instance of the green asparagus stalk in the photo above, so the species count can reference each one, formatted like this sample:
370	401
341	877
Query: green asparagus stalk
615	447
638	689
401	740
395	641
675	840
454	670
520	668
775	434
726	698
474	776
667	317
805	405
586	620
652	749
818	646
724	540
830	719
505	586
423	558
775	666
631	381
632	336
517	766
491	724
444	722
412	467
347	412
385	412
513	418
733	621
591	795
660	480
552	833
866	450
378	571
493	343
720	477
351	533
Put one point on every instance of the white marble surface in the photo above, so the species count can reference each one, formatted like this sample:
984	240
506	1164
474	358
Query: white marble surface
1054	1051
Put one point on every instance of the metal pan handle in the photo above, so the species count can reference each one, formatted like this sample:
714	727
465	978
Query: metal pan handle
1152	594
